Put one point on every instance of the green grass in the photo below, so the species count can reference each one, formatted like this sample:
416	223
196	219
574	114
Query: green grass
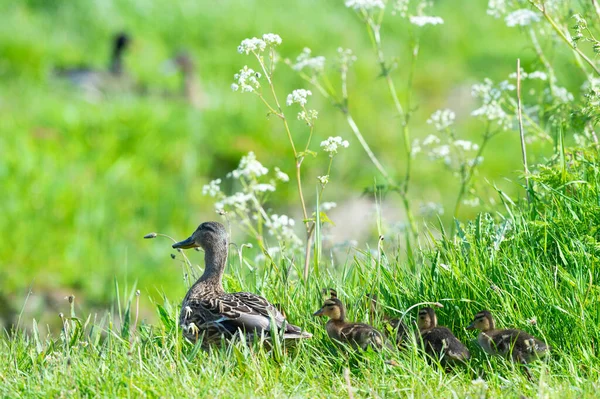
81	182
539	261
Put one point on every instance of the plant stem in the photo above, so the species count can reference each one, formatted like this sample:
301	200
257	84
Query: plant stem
521	131
558	30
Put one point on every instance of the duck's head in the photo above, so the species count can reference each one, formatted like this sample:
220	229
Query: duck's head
332	308
207	236
121	41
426	319
482	321
184	62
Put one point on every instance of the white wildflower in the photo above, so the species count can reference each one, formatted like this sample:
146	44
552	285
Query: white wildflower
496	8
332	143
365	4
263	187
505	85
323	179
304	60
441	152
475	161
538	75
480	383
422	20
522	17
532	321
298	96
560	94
272	39
238	201
249	167
281	227
252	45
431	209
473	202
279	175
309	116
212	189
442	119
247	79
466	145
431	139
400	7
346	56
326	206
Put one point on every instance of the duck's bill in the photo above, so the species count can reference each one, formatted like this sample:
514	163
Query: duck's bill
185	244
471	326
318	312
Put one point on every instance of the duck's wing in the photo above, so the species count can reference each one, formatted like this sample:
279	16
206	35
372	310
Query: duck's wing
238	311
362	334
440	340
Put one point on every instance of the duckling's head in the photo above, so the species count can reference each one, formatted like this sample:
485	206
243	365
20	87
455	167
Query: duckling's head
209	235
329	291
427	318
482	321
332	308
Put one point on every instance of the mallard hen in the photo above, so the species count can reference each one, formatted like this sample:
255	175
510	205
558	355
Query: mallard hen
439	342
210	314
358	335
513	344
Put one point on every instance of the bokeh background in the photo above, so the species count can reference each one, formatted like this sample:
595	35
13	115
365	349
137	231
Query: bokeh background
83	178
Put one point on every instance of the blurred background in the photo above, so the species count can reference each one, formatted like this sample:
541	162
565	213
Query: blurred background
90	162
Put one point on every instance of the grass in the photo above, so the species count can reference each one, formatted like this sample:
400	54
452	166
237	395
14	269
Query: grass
538	261
83	181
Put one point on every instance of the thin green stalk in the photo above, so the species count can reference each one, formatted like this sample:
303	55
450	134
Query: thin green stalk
564	37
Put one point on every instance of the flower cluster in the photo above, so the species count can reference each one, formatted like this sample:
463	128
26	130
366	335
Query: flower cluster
422	20
346	57
366	5
247	79
212	189
400	7
256	45
496	8
282	228
522	17
249	167
314	65
332	144
442	119
298	96
281	176
491	110
430	208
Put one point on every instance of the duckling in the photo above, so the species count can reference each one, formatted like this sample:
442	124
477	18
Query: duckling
358	335
512	344
94	81
440	342
209	313
395	329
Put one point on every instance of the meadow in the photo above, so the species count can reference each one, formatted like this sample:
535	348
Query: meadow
429	206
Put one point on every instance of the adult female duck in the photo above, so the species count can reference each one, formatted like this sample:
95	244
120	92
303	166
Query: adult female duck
210	314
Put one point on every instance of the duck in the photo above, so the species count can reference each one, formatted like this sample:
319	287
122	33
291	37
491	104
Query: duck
192	91
439	342
395	328
513	344
95	81
357	335
211	314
